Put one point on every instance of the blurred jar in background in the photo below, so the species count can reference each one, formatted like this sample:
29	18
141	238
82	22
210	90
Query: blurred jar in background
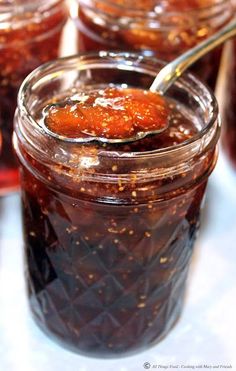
30	33
228	106
162	28
0	142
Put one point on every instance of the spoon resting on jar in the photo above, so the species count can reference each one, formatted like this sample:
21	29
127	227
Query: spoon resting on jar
125	115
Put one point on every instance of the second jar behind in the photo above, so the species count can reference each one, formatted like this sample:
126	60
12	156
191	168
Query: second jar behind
164	29
30	34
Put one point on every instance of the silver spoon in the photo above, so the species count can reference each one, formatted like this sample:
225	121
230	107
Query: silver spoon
164	79
173	70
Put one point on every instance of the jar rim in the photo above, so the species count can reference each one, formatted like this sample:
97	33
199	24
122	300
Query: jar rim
117	59
139	12
19	13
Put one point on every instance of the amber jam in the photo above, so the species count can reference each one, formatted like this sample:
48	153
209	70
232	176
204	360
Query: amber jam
164	29
109	228
29	35
108	113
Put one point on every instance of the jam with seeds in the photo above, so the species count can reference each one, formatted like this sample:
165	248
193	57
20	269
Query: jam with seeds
109	228
155	28
29	35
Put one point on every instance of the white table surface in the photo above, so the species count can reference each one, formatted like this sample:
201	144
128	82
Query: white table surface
205	334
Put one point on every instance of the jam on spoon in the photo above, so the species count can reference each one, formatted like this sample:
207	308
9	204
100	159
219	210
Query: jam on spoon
111	113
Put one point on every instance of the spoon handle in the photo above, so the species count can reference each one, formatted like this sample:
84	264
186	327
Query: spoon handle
167	76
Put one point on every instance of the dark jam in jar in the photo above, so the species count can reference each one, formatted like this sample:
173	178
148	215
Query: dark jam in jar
29	36
164	29
109	228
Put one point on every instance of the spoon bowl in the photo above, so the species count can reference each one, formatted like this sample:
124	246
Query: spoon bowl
91	138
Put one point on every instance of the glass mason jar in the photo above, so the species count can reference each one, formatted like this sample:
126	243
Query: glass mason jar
164	29
109	234
30	33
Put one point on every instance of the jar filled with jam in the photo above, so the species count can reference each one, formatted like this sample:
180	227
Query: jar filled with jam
164	29
30	34
109	228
